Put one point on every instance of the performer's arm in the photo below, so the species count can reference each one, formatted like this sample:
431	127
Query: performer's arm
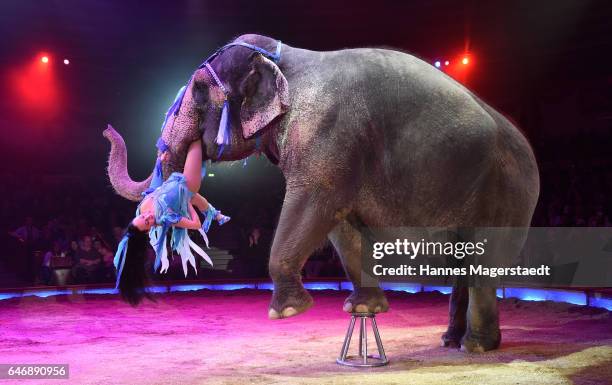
187	223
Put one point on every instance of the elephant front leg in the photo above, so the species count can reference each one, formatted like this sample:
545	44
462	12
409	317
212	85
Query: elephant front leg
303	226
365	298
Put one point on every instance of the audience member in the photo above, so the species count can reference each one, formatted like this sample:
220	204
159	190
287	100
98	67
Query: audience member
89	262
28	235
107	270
45	269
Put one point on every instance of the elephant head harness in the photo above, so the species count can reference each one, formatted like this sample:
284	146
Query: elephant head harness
223	134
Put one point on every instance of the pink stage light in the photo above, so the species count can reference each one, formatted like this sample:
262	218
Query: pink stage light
36	88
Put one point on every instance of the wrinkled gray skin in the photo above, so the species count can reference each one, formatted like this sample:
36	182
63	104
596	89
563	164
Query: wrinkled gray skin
368	137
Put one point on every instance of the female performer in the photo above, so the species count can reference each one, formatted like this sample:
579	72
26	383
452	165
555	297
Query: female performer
169	205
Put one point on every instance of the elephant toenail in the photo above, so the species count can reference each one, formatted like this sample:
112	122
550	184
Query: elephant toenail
289	312
273	314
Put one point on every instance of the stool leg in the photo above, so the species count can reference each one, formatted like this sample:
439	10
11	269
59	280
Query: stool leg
364	340
381	350
361	331
347	339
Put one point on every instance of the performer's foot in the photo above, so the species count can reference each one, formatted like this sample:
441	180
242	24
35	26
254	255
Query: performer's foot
211	213
222	219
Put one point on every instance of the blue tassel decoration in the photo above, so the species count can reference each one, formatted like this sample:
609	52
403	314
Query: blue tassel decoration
158	177
161	244
176	105
223	135
209	215
119	260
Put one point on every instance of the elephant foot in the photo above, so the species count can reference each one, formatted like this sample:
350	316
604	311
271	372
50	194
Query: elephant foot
480	343
452	338
366	300
289	303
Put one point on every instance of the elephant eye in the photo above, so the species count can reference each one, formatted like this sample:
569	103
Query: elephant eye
201	96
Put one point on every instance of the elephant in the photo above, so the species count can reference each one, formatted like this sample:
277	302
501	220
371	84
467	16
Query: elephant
364	137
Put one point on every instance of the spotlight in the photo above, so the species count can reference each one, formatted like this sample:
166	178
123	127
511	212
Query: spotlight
44	59
465	60
66	61
446	63
437	64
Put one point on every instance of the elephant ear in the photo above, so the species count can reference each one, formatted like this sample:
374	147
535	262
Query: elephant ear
265	95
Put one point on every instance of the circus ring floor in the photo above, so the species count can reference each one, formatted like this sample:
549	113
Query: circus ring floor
224	337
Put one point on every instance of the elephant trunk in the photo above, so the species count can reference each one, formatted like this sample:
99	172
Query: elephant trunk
117	168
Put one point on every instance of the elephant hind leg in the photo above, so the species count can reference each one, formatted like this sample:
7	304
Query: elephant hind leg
482	332
473	320
366	296
457	323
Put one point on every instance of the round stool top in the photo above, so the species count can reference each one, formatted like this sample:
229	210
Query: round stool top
366	314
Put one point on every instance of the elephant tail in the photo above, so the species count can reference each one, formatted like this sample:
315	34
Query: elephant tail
117	168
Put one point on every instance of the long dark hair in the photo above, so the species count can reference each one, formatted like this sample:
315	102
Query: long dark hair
134	277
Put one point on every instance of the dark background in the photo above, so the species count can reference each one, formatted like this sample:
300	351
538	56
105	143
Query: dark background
544	64
129	58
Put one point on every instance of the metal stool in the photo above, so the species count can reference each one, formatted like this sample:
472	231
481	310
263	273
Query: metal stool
363	360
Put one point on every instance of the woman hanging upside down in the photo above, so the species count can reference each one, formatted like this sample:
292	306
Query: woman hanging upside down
172	204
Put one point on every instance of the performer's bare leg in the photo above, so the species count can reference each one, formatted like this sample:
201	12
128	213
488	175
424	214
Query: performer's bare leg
199	202
193	178
193	167
202	204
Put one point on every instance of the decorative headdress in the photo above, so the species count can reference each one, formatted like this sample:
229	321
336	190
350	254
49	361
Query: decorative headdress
223	134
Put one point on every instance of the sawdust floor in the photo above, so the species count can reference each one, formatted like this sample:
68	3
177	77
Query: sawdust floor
221	337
